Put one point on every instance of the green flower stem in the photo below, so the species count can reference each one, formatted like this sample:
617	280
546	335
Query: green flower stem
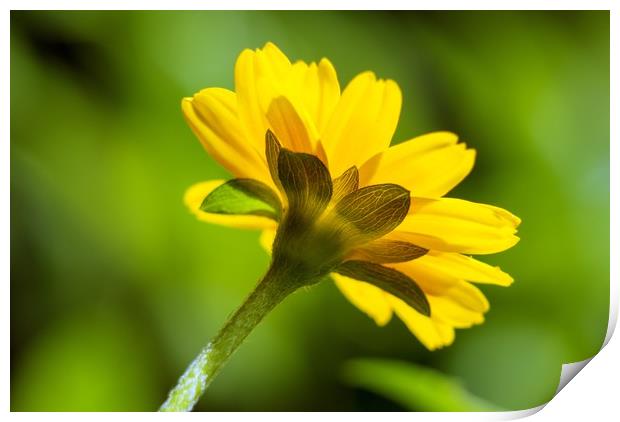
271	290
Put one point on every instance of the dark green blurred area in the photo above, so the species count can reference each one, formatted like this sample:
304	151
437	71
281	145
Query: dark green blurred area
115	287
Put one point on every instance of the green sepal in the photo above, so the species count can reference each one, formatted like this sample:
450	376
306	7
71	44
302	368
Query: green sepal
346	183
306	183
384	251
389	280
372	211
243	197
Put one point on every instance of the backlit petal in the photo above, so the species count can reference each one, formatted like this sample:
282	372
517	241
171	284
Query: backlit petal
369	299
317	88
270	89
449	312
461	306
455	225
293	130
212	115
467	296
194	196
329	93
275	59
438	271
363	122
429	165
266	239
428	278
466	268
432	333
256	72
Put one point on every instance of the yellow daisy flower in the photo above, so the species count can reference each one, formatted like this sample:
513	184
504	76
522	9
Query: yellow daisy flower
316	163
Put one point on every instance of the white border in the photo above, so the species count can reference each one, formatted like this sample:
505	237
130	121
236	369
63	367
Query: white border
592	393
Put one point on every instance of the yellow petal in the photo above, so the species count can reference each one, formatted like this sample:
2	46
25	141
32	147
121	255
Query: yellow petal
461	306
212	115
467	296
369	299
251	66
437	271
194	196
432	333
329	93
429	165
270	89
451	313
291	129
266	239
455	225
362	123
465	267
454	303
431	280
274	60
317	88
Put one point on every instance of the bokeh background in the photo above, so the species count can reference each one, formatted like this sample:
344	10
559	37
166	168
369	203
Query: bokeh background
115	286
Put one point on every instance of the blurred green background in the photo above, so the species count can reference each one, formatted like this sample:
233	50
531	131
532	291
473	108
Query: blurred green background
115	286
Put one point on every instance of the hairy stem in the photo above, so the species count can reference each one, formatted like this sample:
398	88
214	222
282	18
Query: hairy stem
270	291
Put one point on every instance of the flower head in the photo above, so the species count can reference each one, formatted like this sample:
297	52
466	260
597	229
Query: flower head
315	172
